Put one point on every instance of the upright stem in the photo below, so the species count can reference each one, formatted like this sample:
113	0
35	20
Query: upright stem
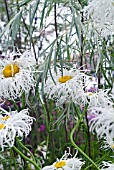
101	159
12	155
65	126
24	147
88	136
23	100
82	39
7	12
55	24
55	19
73	143
26	158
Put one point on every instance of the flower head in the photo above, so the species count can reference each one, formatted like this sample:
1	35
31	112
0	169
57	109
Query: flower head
67	87
66	163
107	166
103	122
16	75
101	13
99	98
13	124
108	142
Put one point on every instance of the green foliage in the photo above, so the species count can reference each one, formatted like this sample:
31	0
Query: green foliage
61	25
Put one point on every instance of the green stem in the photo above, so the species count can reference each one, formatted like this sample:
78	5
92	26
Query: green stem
26	158
98	160
24	147
47	122
12	155
73	143
15	105
23	100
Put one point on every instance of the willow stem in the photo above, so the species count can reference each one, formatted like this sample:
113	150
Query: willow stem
73	143
26	158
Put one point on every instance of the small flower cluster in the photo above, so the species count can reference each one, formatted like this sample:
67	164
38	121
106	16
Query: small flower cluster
71	87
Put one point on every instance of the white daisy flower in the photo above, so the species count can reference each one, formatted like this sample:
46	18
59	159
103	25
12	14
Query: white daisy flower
16	75
108	142
98	30
103	122
66	163
97	99
66	88
13	124
101	13
107	166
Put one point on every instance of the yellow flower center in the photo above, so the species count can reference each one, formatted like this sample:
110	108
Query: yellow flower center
2	125
6	118
90	94
10	70
64	79
60	164
112	146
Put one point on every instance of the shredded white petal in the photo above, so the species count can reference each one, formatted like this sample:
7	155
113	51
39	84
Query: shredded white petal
23	81
66	163
17	124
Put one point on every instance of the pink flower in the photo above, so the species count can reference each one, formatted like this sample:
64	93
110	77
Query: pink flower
42	128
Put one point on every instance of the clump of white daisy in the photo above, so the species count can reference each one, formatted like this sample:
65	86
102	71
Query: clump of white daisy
107	166
103	124
14	124
16	75
65	162
99	98
65	88
101	13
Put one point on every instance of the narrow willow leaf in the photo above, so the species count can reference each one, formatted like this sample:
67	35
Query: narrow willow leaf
16	24
24	2
43	12
8	27
34	11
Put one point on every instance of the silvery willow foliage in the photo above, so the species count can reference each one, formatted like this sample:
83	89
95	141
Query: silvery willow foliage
56	67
